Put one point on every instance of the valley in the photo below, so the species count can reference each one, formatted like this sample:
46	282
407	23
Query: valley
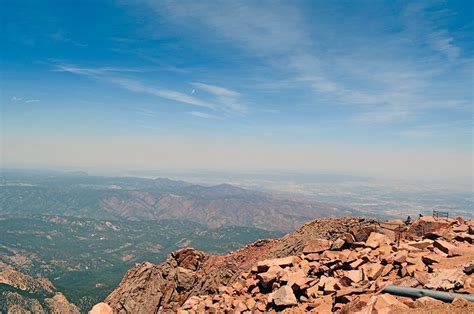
86	258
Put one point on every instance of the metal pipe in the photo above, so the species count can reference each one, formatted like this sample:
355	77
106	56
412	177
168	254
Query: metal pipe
418	293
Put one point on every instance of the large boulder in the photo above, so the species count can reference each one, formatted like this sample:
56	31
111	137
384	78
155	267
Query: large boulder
284	296
101	308
263	266
446	247
427	224
317	246
376	240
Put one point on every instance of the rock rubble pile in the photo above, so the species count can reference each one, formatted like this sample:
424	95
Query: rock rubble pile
347	274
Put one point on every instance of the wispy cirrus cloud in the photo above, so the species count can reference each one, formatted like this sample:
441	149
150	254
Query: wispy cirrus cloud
146	112
227	99
423	20
110	75
383	81
60	36
98	70
222	99
205	115
21	99
136	86
443	43
216	90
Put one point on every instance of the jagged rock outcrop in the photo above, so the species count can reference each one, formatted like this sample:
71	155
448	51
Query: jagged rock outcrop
18	280
329	265
21	293
13	302
148	288
58	304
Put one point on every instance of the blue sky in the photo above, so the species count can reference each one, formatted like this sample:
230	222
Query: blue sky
366	87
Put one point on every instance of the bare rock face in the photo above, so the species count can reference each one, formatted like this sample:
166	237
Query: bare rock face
16	303
24	282
148	288
309	270
27	292
185	279
60	305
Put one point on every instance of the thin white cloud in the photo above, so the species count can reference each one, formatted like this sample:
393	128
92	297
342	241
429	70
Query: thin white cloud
443	43
61	37
216	90
147	112
383	81
27	101
158	62
205	115
424	19
99	70
136	86
227	99
108	75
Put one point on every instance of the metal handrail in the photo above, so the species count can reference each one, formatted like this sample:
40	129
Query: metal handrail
443	214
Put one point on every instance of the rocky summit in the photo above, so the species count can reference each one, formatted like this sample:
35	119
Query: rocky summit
339	265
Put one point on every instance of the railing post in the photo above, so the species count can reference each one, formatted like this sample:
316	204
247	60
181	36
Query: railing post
399	235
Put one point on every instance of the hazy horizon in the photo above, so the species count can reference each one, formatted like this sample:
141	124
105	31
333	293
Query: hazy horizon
244	177
378	89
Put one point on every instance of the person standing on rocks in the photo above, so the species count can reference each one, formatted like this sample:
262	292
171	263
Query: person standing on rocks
408	221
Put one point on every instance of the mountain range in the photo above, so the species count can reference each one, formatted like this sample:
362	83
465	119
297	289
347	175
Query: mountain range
139	199
82	232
